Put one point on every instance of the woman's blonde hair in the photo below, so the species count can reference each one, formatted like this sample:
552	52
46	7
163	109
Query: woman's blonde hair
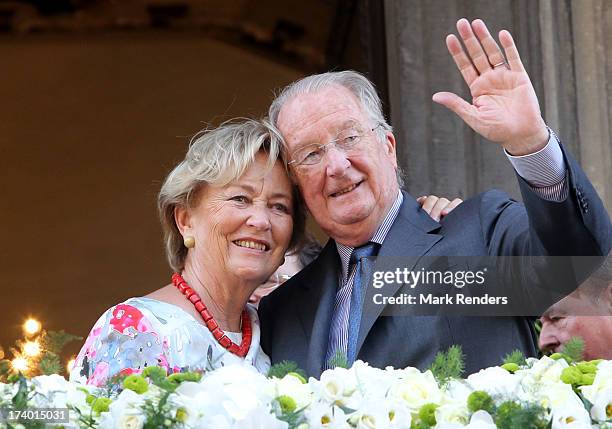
217	157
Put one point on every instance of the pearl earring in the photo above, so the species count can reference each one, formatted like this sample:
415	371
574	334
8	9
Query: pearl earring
189	241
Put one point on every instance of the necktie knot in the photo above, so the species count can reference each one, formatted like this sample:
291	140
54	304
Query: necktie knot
368	249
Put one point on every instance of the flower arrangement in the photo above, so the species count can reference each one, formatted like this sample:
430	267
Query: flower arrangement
551	392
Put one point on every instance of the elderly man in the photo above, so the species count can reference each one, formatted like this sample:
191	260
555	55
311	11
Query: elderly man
585	313
342	154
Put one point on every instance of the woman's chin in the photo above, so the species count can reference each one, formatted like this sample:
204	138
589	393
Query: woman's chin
252	275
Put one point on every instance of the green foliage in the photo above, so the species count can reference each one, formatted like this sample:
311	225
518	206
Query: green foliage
5	367
339	360
510	367
137	383
292	418
158	414
55	341
49	363
448	365
154	371
283	368
287	403
178	377
100	405
512	415
516	356
574	349
480	400
20	399
571	375
427	414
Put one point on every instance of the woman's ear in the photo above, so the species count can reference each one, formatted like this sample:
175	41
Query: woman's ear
182	218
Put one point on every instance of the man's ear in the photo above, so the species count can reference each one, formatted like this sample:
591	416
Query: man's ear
390	146
182	218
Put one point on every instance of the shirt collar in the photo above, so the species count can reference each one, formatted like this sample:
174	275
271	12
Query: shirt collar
378	237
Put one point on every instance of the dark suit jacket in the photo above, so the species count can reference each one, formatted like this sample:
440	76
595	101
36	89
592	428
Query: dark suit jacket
296	318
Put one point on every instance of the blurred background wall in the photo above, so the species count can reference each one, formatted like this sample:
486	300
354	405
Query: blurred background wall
98	100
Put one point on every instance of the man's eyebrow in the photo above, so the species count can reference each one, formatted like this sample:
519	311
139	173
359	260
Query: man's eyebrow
349	123
343	126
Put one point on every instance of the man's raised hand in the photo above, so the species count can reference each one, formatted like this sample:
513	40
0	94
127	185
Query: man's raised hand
504	107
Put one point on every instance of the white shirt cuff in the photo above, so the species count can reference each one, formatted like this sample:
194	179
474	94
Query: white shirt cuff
543	168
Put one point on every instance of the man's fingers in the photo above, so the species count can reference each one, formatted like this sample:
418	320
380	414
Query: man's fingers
428	203
462	61
489	45
462	108
512	54
436	211
451	206
474	49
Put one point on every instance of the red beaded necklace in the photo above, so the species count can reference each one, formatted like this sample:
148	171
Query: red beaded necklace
247	332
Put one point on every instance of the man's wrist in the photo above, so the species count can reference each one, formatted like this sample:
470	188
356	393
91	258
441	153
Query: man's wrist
531	144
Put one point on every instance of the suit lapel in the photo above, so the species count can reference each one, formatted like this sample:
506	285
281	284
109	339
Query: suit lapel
410	237
315	304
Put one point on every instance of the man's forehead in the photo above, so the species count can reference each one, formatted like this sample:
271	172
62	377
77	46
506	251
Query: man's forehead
307	115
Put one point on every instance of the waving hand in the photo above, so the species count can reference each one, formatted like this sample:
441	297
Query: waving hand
504	106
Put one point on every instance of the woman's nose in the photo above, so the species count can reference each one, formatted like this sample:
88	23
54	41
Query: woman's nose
259	218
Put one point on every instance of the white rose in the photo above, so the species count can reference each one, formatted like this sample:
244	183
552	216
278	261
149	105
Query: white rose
544	369
127	403
400	416
495	381
335	386
131	422
571	418
373	382
292	387
557	395
602	406
261	418
457	391
321	415
380	414
452	412
416	389
49	391
481	420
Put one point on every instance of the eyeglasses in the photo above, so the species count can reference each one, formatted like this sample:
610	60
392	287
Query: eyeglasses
348	141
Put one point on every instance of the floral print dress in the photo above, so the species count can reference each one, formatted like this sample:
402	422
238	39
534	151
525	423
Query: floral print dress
141	332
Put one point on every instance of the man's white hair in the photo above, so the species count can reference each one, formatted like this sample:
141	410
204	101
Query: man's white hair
356	83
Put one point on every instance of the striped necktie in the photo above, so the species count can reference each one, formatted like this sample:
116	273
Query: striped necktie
348	309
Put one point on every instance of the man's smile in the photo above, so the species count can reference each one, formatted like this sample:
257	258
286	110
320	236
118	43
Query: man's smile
345	190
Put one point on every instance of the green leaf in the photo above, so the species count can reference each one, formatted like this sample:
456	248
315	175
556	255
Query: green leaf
50	363
283	368
513	415
339	360
574	349
516	356
449	364
54	341
20	400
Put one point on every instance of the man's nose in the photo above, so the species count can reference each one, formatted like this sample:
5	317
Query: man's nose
259	218
548	340
336	162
